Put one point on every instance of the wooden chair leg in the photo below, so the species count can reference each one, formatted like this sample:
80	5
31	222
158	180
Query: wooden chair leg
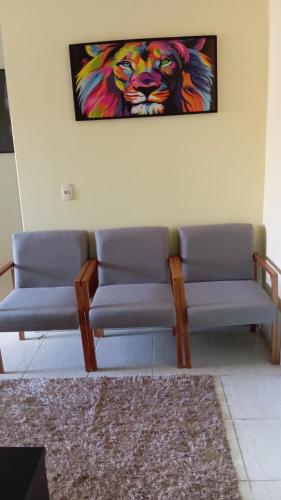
174	331
253	328
88	345
1	364
179	348
275	348
92	351
21	335
186	339
98	332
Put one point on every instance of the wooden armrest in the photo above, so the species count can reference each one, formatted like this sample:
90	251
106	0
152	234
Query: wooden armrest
86	284
267	267
6	268
177	281
90	271
175	268
82	272
273	276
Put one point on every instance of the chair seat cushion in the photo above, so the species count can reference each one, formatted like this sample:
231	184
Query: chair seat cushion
129	306
227	303
39	309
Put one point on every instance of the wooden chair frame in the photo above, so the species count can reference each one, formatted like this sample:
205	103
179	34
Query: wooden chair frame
182	307
88	351
182	333
86	289
275	343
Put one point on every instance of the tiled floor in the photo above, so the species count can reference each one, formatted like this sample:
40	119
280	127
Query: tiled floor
249	387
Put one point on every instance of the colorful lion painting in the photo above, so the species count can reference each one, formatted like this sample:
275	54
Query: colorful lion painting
143	78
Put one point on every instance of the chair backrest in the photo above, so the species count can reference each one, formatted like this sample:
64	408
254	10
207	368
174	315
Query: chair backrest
133	255
217	252
48	258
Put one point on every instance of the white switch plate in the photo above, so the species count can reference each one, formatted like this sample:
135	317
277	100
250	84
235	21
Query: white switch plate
67	192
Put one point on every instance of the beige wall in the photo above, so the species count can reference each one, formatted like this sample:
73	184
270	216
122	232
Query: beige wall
10	216
172	170
272	199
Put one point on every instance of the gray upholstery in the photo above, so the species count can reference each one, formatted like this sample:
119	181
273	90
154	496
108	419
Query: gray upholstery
133	255
227	303
37	309
217	252
125	306
48	258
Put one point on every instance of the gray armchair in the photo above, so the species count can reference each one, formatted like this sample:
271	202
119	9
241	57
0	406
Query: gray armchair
129	286
217	268
44	267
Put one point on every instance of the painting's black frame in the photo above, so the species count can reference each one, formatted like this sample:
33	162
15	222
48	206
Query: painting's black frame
74	68
6	136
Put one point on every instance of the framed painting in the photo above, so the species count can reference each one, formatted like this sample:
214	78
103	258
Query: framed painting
6	136
144	77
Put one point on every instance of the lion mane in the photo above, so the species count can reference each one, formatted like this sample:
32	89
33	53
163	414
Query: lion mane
144	78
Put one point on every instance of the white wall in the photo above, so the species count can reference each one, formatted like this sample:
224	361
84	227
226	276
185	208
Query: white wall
174	170
272	199
10	216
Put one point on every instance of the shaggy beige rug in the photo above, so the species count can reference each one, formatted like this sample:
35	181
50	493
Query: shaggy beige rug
125	438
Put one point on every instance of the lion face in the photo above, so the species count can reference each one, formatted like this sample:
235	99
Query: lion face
144	78
144	74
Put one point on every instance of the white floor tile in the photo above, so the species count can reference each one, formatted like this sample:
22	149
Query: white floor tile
17	358
235	451
222	399
54	336
260	442
245	359
245	490
253	396
124	355
232	335
165	358
266	490
61	334
58	357
211	356
12	338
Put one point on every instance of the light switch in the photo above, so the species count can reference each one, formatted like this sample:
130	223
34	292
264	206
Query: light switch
67	192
